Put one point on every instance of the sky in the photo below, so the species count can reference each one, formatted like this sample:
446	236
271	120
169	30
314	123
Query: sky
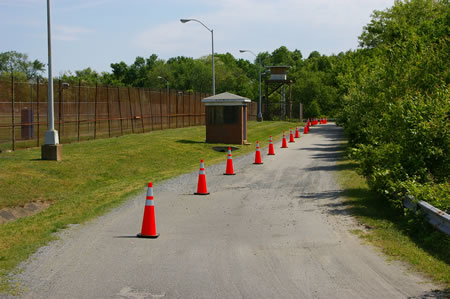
96	33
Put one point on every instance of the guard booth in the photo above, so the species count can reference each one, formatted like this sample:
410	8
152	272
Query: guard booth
226	118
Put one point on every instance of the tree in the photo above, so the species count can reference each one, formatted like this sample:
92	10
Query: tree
395	100
13	62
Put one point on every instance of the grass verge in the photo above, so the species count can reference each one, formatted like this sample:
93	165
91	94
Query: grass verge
95	177
406	238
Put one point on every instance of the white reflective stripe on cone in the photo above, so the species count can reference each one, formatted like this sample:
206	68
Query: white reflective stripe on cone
149	202
202	172
150	192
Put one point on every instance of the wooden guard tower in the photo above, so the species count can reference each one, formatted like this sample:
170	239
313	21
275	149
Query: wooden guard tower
278	78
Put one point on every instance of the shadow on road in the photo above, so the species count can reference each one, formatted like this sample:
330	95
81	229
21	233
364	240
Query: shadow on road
351	166
332	194
377	212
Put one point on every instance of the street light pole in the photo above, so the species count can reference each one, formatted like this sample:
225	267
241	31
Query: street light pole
51	150
259	118
212	43
51	135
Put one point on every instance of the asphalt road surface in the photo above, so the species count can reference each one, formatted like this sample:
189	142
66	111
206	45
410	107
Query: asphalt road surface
276	230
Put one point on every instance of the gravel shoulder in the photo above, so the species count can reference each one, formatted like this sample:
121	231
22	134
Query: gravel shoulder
277	230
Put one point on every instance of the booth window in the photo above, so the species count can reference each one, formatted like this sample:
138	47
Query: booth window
219	115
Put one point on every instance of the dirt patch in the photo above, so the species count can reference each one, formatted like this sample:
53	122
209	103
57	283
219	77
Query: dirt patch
11	214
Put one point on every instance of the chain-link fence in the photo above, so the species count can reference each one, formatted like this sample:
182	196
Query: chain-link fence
90	112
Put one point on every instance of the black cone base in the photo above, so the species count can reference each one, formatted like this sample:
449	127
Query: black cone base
147	237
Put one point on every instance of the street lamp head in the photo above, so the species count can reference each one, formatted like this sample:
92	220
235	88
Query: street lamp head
242	51
185	20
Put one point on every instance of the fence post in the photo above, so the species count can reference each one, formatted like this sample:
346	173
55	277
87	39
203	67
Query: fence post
13	121
142	113
131	111
120	111
108	109
95	110
176	108
160	107
168	109
151	108
195	108
60	103
37	107
189	103
182	95
79	110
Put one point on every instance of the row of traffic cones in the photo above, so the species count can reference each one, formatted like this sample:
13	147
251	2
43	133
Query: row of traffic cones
148	229
315	121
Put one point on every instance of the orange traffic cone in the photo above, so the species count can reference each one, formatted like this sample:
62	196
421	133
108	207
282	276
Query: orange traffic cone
291	137
148	222
284	143
230	170
271	151
258	154
201	187
297	133
305	130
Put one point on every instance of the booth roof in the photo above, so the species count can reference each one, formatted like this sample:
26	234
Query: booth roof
225	98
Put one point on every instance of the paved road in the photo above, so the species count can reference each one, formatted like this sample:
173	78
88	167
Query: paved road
276	230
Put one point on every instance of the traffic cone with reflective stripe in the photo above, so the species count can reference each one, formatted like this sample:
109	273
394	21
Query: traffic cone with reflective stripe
230	170
291	137
271	151
305	130
148	222
258	154
284	143
297	133
201	186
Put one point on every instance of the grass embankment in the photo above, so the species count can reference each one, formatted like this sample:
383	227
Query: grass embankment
95	177
402	238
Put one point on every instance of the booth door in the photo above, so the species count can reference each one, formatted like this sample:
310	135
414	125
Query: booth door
244	116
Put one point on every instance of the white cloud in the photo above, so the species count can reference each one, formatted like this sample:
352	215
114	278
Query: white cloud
19	3
84	4
69	33
264	25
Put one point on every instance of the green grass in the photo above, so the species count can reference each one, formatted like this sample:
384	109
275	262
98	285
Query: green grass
96	176
408	239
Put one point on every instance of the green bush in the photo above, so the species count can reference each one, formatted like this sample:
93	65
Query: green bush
395	102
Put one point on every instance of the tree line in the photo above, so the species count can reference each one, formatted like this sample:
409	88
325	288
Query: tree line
313	78
391	94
